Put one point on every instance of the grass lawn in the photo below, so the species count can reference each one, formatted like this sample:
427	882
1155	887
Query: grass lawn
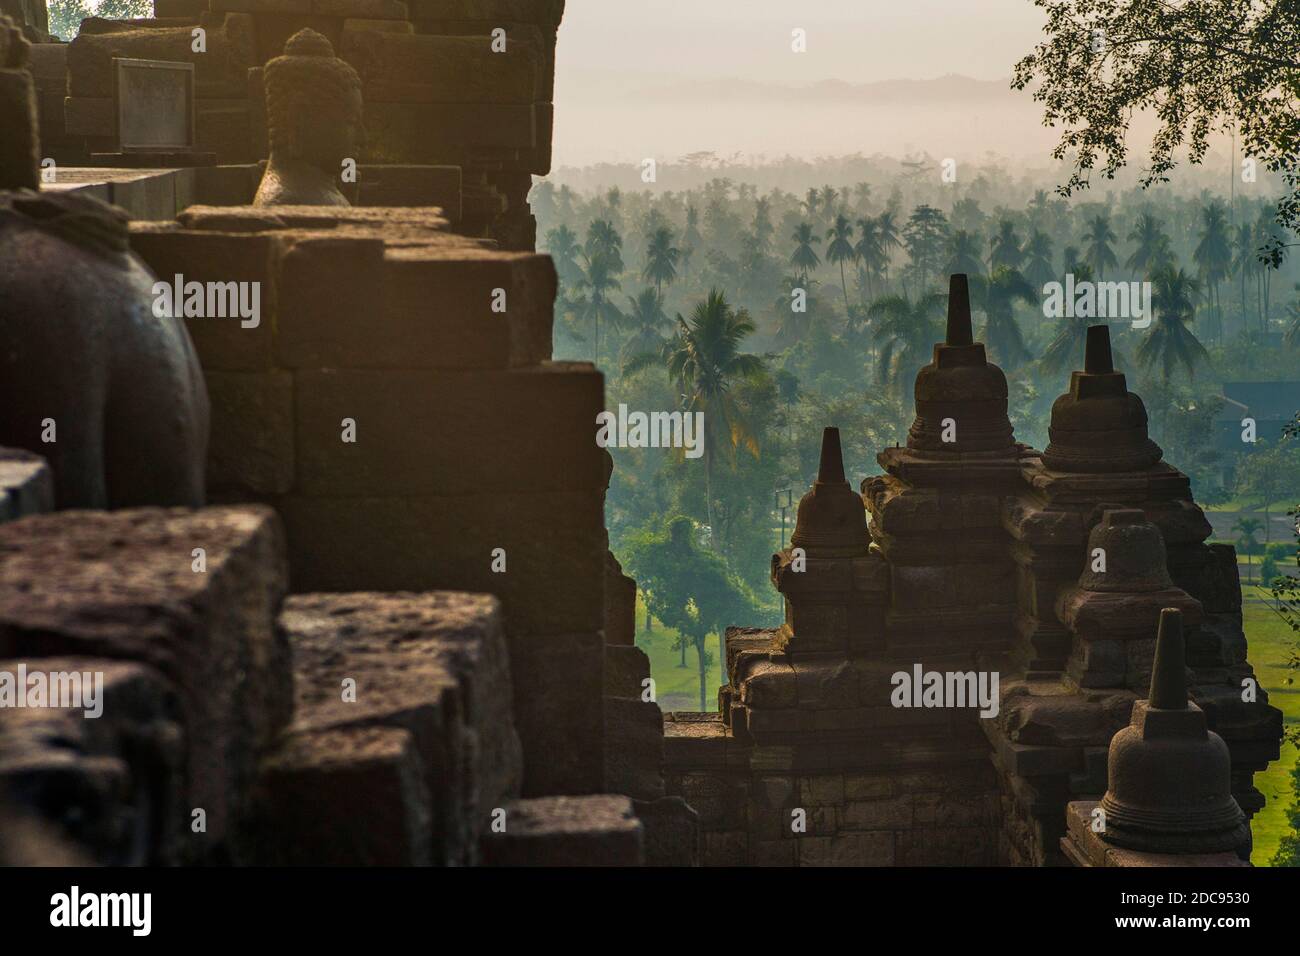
677	687
1270	644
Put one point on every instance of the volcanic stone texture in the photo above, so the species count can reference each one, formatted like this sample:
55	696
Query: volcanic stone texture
220	72
113	785
599	830
123	586
437	349
433	669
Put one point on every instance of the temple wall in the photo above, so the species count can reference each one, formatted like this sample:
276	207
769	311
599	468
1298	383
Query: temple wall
387	321
435	92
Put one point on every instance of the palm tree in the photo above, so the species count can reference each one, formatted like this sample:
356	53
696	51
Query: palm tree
870	254
1067	348
887	230
1213	256
804	258
828	201
597	280
562	244
1038	260
794	326
691	238
603	239
840	250
906	332
1170	342
1097	245
996	297
1245	261
1152	248
763	228
810	201
1004	248
963	254
661	259
645	320
704	360
1248	528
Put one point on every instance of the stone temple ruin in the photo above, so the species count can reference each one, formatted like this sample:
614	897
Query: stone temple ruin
395	633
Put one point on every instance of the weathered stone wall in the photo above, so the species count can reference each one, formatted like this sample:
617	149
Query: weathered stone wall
436	92
384	320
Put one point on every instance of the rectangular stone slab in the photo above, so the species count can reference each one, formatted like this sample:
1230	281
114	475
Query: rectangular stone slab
113	784
434	664
122	585
599	830
346	796
449	432
404	68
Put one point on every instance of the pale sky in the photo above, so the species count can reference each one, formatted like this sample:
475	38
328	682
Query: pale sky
660	77
853	40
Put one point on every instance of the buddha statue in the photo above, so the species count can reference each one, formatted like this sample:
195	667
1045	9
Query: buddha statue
313	110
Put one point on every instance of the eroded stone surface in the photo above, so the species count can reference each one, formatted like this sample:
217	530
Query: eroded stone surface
123	585
433	664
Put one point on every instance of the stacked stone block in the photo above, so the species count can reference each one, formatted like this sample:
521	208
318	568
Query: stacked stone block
380	318
441	86
1084	648
979	559
810	763
197	683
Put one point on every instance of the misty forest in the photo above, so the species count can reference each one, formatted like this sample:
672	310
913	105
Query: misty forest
781	296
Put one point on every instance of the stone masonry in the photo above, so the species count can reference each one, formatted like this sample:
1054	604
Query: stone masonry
440	86
980	560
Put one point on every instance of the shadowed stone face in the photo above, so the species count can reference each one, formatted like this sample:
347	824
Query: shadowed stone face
90	377
314	114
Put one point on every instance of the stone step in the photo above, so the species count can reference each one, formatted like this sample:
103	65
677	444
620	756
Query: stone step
127	585
634	748
369	287
346	796
433	665
107	776
598	830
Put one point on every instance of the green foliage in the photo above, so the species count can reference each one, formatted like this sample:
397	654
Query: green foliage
1288	852
687	587
66	15
1201	66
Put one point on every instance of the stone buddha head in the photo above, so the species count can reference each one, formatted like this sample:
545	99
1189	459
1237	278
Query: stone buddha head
314	118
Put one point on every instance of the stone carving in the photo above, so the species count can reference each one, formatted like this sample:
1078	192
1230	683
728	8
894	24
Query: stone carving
961	398
313	108
1170	785
1099	425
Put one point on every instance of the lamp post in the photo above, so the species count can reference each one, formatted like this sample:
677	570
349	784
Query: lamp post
783	501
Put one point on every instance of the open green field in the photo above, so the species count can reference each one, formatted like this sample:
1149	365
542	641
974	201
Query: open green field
1270	644
677	687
